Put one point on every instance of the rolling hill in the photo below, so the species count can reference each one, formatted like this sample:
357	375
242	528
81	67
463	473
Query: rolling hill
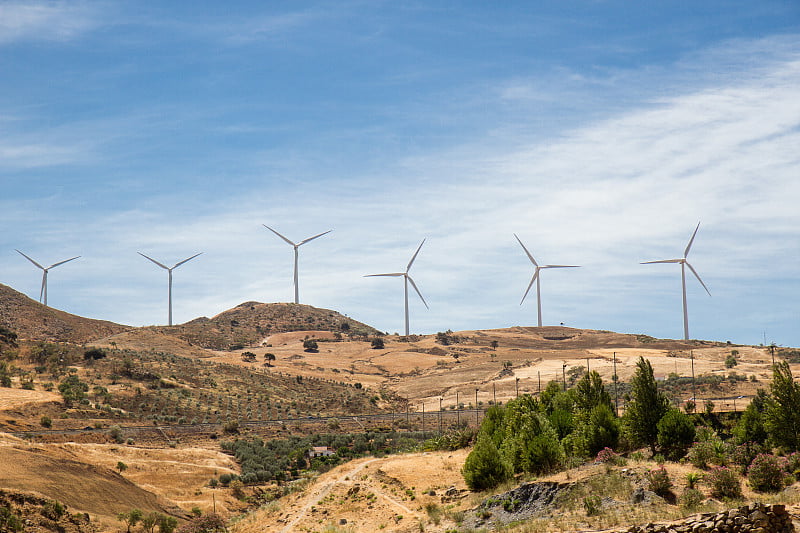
33	321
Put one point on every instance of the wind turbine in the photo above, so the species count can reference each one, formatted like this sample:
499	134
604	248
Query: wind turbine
536	277
296	246
168	269
406	280
45	270
684	263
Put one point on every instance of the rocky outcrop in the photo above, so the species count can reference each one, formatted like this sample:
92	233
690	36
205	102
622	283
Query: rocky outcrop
753	518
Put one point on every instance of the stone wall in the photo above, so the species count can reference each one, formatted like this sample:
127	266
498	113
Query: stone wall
753	518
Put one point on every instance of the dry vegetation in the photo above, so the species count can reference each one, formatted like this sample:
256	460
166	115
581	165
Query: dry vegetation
250	364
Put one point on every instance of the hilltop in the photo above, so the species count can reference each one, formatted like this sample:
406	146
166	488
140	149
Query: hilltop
34	321
249	323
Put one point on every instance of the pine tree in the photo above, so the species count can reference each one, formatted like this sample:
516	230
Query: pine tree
484	467
782	416
646	407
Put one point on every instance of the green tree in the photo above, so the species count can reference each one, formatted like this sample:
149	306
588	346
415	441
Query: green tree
530	444
131	518
6	371
492	425
310	345
750	427
646	407
121	466
268	358
377	343
167	524
782	416
484	467
73	390
675	434
590	392
150	521
596	431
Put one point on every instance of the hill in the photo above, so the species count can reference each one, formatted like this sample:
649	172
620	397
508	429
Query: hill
31	320
249	323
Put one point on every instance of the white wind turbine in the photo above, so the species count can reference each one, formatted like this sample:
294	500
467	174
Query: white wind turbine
296	246
45	270
536	277
684	263
406	280
168	269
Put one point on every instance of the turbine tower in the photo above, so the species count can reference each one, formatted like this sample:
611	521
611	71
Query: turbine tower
168	269
296	246
684	263
536	277
406	280
45	270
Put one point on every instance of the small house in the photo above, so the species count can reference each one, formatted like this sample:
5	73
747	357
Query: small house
320	451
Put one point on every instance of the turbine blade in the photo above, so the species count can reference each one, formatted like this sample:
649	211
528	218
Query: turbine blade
418	293
561	266
31	260
154	261
185	260
662	261
314	237
698	277
526	251
688	246
279	235
62	262
415	256
533	279
394	274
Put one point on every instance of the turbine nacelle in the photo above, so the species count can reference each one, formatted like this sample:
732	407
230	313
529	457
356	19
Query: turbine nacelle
296	246
169	271
45	270
536	279
683	261
406	280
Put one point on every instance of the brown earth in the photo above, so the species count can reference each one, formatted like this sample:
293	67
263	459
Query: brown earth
31	320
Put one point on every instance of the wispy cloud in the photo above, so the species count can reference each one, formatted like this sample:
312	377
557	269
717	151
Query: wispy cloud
44	21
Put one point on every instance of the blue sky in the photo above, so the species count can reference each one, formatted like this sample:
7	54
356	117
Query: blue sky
599	132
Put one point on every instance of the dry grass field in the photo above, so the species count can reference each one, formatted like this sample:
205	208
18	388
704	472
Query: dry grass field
217	370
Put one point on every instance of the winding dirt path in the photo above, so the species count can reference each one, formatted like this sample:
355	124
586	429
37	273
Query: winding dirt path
347	477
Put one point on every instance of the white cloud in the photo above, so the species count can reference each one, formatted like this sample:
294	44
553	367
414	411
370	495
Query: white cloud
44	21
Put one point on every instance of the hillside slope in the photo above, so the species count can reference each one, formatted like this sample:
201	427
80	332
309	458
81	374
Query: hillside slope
249	323
34	321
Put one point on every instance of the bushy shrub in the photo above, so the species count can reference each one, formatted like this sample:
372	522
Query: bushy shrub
675	434
691	499
765	473
658	481
484	467
791	464
609	457
701	454
743	454
210	523
724	483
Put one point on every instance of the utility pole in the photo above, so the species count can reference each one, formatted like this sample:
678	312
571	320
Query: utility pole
564	375
539	374
440	415
494	393
616	386
694	389
423	419
517	386
458	411
587	365
476	409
